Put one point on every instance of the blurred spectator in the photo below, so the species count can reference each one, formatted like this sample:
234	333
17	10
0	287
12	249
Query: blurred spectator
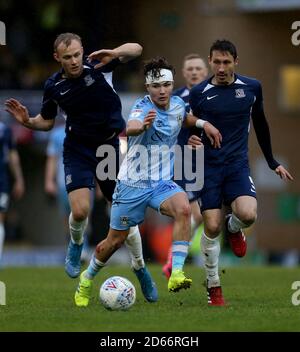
9	161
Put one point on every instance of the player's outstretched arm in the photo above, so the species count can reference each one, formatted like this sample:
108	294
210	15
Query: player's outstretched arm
125	52
283	173
20	113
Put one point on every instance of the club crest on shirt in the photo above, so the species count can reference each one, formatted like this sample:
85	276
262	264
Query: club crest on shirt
239	93
68	179
89	80
124	220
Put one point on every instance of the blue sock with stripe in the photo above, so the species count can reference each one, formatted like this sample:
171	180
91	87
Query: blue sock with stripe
93	268
179	253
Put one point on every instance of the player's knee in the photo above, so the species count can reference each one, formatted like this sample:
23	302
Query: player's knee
248	217
80	212
213	228
183	211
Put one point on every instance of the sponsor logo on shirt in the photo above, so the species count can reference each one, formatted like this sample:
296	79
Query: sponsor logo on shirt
66	91
208	98
159	123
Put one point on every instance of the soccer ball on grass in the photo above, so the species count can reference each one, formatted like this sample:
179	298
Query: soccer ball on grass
117	293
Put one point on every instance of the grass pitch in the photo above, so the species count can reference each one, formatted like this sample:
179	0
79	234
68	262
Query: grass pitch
41	299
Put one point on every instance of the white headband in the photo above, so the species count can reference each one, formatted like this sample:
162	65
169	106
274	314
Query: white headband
165	75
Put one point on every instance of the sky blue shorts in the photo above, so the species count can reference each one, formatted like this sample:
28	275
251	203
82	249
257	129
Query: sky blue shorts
130	203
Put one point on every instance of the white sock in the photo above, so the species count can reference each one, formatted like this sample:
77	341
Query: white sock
2	235
77	229
210	249
134	244
235	224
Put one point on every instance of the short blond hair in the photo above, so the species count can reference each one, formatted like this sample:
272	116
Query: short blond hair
193	56
65	38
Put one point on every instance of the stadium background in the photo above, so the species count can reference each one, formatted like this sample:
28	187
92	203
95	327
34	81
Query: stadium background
174	28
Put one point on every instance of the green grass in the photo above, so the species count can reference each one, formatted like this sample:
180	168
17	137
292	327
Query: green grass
41	299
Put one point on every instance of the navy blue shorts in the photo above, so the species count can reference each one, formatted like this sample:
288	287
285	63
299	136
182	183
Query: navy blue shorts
223	184
81	162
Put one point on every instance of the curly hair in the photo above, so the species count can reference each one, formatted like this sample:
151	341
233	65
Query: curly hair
154	65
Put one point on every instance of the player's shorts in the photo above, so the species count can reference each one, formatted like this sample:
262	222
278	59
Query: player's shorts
130	203
80	165
223	184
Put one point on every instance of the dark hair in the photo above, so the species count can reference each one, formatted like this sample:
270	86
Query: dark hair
223	46
65	38
155	65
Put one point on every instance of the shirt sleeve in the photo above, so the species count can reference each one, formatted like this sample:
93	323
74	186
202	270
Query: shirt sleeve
139	111
262	130
193	103
49	107
110	66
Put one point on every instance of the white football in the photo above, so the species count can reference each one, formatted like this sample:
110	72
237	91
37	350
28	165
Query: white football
117	293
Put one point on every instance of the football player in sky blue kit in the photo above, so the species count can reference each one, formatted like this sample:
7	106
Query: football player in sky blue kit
9	159
85	93
54	171
229	101
145	180
194	71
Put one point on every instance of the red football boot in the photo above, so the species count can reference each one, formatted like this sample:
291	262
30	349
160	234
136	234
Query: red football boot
215	296
236	240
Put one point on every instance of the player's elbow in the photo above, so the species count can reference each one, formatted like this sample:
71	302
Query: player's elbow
48	125
138	49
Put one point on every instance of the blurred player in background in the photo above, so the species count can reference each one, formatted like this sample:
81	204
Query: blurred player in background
145	181
228	101
83	90
194	71
9	164
54	172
